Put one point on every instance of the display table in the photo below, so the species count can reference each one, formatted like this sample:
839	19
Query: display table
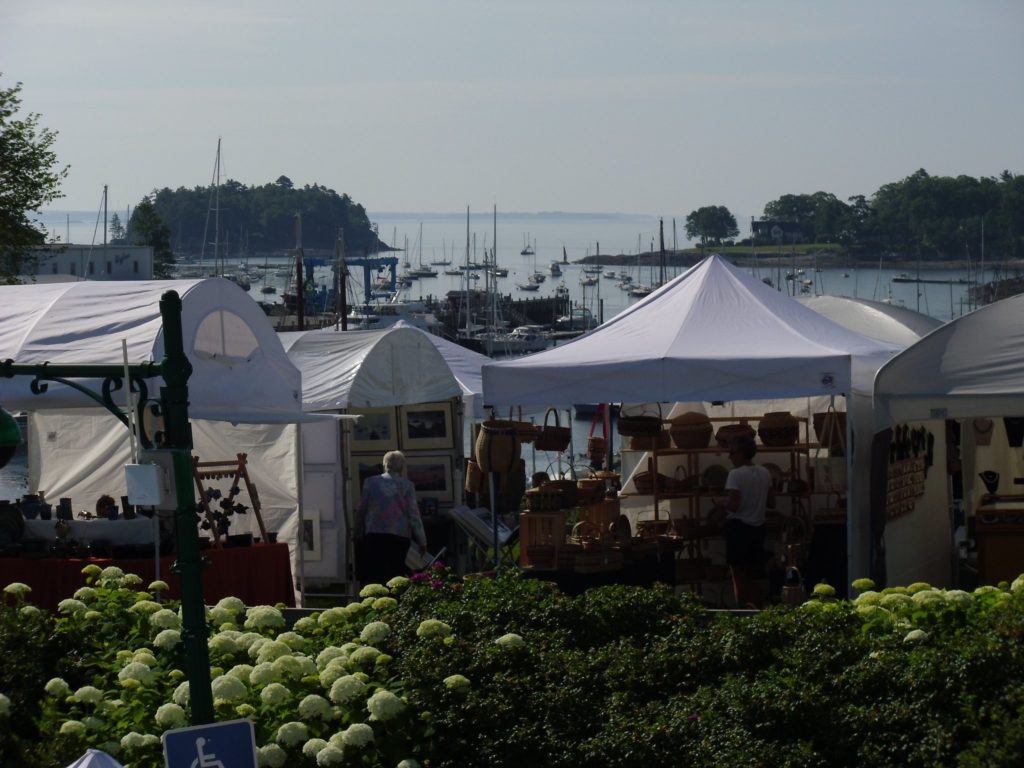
258	575
137	531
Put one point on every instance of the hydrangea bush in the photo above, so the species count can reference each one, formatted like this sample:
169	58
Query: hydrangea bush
441	671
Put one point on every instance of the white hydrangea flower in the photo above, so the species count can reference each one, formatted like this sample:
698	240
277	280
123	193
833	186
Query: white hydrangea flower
291	733
313	707
28	611
293	640
927	597
111	573
93	615
246	640
18	589
275	694
457	683
364	656
271	756
398	582
264	617
70	605
917	586
383	604
242	671
958	597
271	650
375	632
328	655
896	601
330	755
93	723
146	657
134	670
253	648
357	735
88	694
145	606
228	688
287	667
170	716
165	619
73	728
222	644
220	616
312	747
347	648
131	580
332	617
167	639
305	625
433	628
158	586
132	740
230	603
870	611
82	593
345	688
5	705
915	636
181	694
56	686
384	705
306	666
336	669
510	640
408	763
1018	584
374	590
262	674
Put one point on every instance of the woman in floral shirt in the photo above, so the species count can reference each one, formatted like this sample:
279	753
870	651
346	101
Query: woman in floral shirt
387	519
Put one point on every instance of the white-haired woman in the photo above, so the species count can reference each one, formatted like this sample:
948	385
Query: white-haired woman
387	519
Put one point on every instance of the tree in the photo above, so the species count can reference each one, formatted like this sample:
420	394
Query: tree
149	229
117	230
29	179
712	224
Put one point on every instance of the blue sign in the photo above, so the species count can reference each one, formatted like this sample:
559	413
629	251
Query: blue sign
218	745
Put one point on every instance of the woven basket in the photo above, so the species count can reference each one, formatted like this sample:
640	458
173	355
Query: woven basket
497	445
658	442
589	491
639	421
474	477
569	489
730	432
778	429
554	437
544	499
691	430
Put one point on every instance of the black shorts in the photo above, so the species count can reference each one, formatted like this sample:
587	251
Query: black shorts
744	544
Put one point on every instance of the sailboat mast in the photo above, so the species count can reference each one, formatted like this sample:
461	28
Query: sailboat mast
104	215
216	210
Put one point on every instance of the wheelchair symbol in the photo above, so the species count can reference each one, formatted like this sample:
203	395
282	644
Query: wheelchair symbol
203	760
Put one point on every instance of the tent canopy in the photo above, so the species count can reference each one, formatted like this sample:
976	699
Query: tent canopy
465	365
713	333
876	319
240	372
971	366
367	369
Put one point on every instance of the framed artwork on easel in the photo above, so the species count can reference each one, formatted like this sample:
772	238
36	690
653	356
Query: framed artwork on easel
375	430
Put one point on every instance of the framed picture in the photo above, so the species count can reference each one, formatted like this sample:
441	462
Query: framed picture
362	467
377	430
432	476
311	534
426	426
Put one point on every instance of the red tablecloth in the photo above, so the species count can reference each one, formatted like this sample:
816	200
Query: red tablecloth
258	575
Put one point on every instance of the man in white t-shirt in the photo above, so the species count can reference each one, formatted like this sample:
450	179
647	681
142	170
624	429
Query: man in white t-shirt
748	493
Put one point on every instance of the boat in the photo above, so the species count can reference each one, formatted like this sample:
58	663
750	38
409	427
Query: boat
592	269
579	319
528	250
555	269
588	280
373	316
640	290
529	285
499	271
268	289
453	271
562	291
521	340
611	274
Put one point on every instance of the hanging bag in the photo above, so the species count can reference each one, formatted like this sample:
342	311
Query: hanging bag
553	437
597	445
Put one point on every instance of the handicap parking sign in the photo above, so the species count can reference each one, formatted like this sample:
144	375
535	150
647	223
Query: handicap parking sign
231	744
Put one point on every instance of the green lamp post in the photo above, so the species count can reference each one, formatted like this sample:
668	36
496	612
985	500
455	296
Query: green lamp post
10	437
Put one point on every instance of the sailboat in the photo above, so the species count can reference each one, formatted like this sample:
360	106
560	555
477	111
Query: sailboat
527	249
238	277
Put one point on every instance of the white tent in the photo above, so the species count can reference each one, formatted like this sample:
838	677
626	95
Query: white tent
876	319
364	369
713	333
971	366
240	372
465	365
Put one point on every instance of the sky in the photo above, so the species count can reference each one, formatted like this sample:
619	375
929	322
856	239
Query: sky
642	106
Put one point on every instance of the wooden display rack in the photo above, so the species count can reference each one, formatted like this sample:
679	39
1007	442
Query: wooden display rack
237	471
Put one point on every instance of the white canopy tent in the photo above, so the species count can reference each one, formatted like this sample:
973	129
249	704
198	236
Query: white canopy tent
971	366
240	372
714	333
465	365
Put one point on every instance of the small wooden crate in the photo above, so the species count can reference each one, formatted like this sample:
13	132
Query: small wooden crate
544	529
602	514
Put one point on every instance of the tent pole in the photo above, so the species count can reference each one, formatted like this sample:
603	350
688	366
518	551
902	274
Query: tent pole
494	520
300	538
